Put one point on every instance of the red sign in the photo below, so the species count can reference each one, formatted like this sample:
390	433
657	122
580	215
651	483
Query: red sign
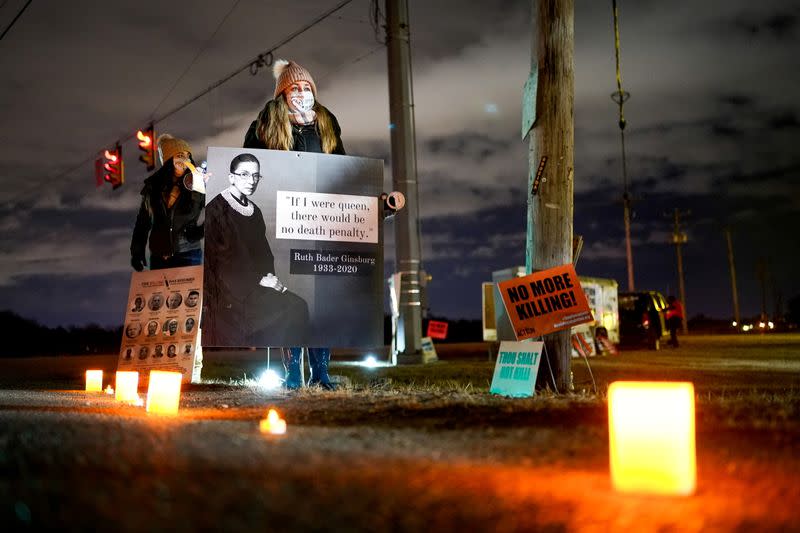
545	302
437	329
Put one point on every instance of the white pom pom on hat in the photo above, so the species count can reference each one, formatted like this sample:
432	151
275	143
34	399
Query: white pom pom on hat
288	72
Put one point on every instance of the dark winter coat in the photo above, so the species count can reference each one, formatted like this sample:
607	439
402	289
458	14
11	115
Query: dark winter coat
170	230
306	138
239	311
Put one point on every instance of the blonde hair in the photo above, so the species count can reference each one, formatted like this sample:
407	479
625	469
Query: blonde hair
274	129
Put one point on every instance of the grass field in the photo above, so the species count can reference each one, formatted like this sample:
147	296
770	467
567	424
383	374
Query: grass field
411	448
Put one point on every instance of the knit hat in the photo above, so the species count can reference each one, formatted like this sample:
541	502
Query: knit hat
168	146
289	72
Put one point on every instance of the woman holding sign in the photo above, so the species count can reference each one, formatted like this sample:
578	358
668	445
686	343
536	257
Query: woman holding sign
295	120
168	218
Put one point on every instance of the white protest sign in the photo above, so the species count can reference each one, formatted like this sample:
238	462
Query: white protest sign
516	368
315	216
428	350
162	321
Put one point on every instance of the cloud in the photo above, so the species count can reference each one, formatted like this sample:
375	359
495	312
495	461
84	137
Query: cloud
711	125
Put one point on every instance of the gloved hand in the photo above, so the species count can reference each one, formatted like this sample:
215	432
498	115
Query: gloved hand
138	263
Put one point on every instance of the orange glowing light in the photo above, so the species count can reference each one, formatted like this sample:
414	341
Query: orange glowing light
652	437
163	392
111	157
94	381
127	387
144	139
273	424
109	390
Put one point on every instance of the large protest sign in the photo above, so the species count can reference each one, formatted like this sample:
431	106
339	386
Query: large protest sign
162	321
293	249
545	301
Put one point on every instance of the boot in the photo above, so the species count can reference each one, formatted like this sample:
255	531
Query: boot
291	364
318	359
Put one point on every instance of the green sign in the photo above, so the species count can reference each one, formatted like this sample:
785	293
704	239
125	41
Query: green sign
516	369
529	101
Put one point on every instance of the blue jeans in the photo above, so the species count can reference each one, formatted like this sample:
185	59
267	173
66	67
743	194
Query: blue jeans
181	259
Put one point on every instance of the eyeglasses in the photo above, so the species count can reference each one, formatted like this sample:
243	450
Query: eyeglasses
247	175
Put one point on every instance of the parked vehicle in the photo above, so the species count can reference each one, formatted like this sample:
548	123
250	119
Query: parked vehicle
642	319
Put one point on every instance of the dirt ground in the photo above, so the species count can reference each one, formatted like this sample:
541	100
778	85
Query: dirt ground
410	448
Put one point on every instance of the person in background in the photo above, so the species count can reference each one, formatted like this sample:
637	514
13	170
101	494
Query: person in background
169	214
295	120
169	220
674	319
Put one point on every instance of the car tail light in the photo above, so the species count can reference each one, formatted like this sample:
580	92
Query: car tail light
645	321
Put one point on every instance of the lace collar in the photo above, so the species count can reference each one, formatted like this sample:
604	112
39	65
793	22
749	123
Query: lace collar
245	210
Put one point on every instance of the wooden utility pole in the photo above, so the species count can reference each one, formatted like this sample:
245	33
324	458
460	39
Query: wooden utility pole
679	238
404	179
734	290
550	200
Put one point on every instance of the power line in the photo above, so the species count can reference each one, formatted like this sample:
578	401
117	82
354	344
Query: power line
620	97
376	17
353	62
262	60
21	11
199	53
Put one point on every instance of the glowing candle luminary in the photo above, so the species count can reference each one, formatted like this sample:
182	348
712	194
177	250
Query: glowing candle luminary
164	392
127	387
652	437
273	424
94	381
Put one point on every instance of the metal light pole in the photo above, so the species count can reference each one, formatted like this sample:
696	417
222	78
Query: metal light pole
620	97
734	290
404	179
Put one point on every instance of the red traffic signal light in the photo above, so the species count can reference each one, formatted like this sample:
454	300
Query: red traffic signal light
148	146
114	167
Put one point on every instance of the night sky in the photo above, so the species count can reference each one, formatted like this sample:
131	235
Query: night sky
713	128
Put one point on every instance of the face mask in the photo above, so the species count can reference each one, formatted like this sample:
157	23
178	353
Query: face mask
302	101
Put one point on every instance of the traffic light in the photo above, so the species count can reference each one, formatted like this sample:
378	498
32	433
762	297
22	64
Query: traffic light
114	167
148	146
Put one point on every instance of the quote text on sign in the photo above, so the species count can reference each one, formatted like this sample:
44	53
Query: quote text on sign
326	217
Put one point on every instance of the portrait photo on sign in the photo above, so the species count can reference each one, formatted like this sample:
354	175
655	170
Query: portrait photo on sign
293	250
162	310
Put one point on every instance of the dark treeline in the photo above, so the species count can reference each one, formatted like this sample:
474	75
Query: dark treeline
462	330
22	337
